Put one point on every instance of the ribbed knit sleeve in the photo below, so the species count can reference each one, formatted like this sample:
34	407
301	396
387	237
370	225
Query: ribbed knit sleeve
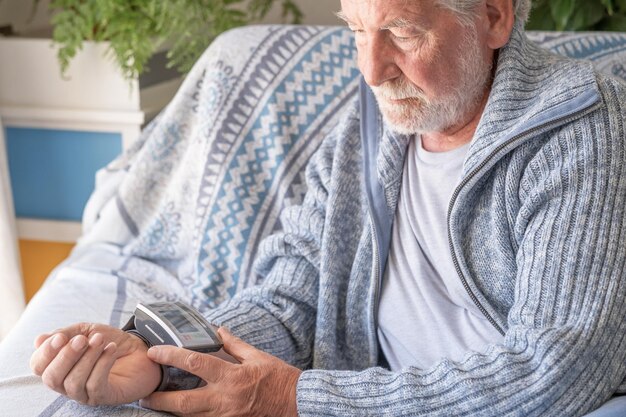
564	351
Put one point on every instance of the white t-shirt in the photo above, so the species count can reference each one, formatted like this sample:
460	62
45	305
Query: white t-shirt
425	313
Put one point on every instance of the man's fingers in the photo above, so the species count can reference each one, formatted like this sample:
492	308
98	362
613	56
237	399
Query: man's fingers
236	347
54	374
98	382
40	339
181	403
76	380
200	364
79	328
48	349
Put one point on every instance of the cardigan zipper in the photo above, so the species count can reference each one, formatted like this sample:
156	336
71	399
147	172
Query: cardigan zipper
466	180
376	277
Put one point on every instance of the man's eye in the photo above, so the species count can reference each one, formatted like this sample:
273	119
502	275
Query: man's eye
406	40
404	33
402	38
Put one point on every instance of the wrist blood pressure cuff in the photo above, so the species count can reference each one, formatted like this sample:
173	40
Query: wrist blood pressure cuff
175	324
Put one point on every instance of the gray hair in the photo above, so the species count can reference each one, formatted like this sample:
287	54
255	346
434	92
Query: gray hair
465	8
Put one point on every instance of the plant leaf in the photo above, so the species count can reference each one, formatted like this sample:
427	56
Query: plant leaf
541	18
587	15
615	23
609	6
561	12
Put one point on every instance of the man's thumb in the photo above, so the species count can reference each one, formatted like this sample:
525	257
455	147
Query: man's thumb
234	346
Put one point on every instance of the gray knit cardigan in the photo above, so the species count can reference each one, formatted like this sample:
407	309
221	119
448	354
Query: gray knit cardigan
538	232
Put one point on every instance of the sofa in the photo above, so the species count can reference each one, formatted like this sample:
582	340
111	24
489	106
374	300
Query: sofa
179	215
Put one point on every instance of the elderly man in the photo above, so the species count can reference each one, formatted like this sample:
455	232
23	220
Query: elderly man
460	250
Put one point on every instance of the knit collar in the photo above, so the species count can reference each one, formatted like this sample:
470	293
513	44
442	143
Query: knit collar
532	88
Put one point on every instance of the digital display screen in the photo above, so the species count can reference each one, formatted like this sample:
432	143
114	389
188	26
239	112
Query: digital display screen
179	321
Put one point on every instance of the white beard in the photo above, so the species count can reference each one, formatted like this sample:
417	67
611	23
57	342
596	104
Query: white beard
417	114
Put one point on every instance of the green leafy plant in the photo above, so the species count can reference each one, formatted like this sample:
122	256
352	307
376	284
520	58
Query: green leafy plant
135	29
578	15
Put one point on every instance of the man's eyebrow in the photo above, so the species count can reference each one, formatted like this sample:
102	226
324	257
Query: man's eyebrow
342	16
400	22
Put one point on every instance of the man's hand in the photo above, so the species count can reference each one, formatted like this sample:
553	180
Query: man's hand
95	364
261	385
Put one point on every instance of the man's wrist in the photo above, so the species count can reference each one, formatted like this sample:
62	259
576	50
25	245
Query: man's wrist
163	374
135	333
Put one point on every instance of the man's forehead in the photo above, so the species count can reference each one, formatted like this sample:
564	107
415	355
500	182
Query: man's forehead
385	12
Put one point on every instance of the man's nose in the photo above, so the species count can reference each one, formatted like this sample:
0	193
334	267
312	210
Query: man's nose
377	62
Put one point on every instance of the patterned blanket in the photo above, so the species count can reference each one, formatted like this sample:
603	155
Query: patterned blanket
180	214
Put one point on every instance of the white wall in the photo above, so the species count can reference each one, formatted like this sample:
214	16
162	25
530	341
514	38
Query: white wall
18	14
320	12
316	12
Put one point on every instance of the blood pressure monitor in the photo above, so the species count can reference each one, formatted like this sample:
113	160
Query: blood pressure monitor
175	324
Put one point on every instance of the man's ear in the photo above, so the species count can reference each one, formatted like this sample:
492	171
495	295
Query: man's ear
500	19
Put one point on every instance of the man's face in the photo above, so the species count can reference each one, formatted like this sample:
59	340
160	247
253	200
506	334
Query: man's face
428	71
